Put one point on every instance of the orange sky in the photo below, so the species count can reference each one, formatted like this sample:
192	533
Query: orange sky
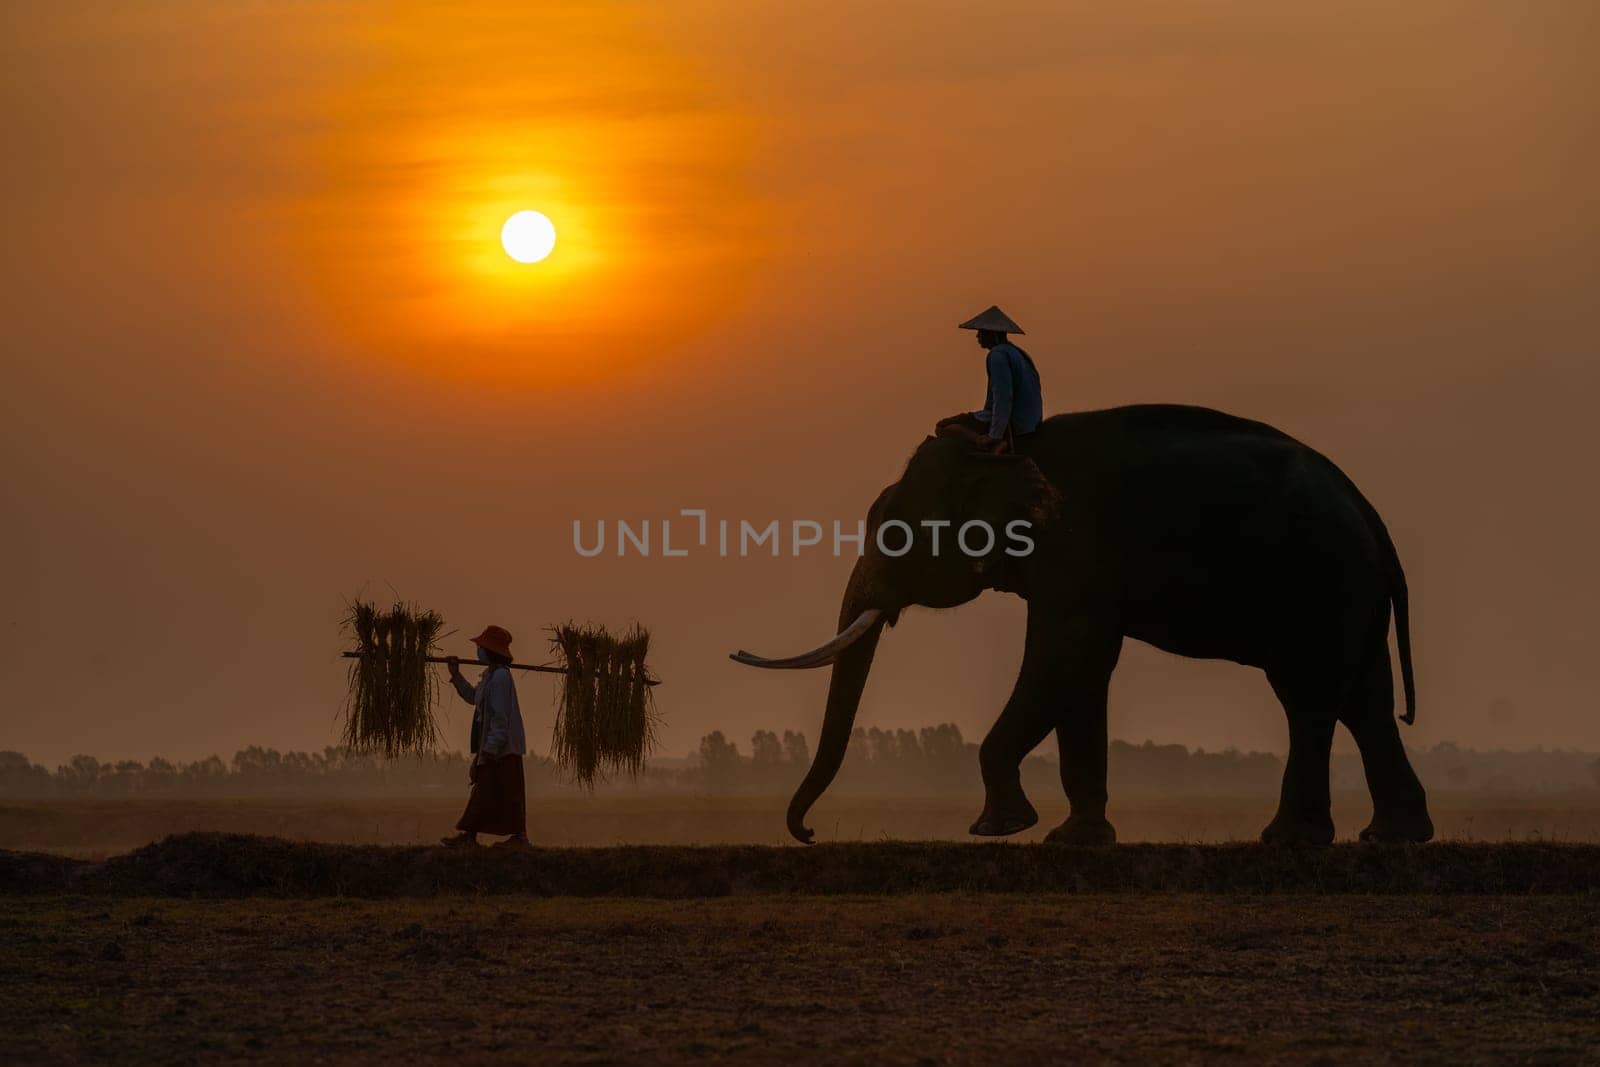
262	348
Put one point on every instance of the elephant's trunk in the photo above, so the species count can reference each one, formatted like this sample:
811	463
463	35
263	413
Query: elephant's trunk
850	669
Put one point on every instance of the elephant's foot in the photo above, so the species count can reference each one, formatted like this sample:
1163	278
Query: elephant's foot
1399	828
1001	819
1292	831
1082	832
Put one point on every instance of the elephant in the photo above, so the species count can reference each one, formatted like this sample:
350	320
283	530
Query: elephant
1201	533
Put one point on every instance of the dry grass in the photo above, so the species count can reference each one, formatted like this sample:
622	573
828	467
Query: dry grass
390	706
100	827
605	716
239	865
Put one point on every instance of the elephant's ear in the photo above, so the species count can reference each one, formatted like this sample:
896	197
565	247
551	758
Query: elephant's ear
1002	489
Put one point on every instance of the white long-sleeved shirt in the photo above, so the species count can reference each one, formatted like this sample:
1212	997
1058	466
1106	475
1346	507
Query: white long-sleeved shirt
495	712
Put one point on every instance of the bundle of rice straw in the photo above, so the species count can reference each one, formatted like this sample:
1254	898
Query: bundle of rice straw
605	718
392	692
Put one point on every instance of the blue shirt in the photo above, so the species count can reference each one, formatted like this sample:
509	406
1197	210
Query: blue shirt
495	711
1015	400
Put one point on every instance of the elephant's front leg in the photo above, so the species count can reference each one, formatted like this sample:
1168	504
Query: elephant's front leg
1050	667
1081	737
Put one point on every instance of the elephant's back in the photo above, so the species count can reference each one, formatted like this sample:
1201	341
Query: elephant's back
1192	498
1140	426
1206	450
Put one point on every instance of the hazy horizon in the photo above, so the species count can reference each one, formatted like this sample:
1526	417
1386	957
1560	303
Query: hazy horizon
264	352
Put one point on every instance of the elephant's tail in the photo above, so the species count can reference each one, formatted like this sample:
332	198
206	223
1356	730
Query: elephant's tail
1402	628
1397	597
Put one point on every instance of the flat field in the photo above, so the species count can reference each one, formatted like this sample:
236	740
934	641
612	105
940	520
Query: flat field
224	948
921	978
94	828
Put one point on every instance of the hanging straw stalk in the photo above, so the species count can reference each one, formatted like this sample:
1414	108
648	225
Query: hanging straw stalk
605	718
392	694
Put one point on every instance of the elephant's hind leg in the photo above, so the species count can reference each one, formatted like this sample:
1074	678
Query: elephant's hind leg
1305	814
1399	805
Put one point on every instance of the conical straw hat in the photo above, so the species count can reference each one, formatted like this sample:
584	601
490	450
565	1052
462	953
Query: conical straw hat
992	319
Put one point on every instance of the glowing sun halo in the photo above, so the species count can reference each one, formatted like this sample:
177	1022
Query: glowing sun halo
528	236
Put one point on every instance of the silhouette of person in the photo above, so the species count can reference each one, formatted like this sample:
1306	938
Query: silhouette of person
1014	403
498	801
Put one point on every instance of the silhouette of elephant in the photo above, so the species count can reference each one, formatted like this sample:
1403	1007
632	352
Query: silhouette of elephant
1198	532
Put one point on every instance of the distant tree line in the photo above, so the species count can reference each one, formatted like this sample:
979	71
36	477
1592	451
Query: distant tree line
933	760
253	771
937	759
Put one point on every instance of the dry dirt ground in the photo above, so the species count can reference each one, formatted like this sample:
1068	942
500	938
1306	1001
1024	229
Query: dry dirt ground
985	978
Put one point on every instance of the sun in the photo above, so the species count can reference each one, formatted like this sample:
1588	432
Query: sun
528	236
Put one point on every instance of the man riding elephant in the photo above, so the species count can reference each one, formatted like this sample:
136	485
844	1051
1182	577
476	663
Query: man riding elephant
1202	534
1014	403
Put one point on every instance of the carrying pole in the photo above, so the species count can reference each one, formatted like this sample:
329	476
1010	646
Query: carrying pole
543	668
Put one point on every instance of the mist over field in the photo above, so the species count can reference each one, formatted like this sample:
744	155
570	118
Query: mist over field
934	761
894	785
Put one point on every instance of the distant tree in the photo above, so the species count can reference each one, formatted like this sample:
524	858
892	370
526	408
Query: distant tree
720	762
160	776
79	774
945	751
765	749
795	750
204	775
21	777
880	746
906	747
257	762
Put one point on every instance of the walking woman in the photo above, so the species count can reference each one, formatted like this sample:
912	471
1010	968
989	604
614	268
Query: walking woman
498	803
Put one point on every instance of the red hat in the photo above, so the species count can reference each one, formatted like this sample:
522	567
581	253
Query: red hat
496	639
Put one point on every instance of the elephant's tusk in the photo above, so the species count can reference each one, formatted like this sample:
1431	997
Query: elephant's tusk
817	657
